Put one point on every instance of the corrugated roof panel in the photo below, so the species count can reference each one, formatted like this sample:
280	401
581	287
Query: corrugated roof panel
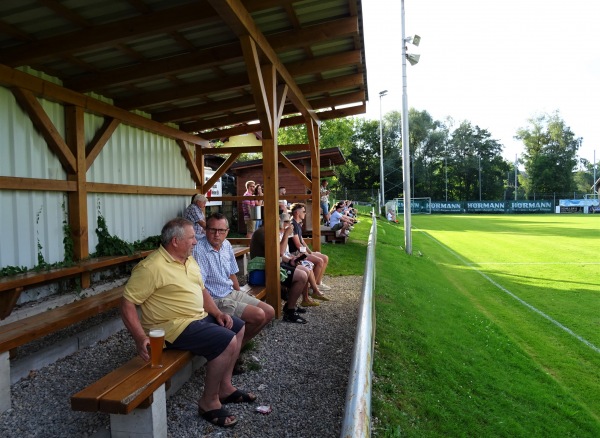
343	71
318	11
208	35
332	46
102	11
272	20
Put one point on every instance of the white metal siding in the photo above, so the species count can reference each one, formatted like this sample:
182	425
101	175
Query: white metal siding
131	156
29	217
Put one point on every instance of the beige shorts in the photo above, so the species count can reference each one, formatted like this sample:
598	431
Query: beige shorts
235	303
250	225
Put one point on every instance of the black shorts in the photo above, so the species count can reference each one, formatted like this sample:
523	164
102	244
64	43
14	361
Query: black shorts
290	270
205	337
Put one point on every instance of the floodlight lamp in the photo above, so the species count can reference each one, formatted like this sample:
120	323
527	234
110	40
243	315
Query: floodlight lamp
382	93
412	58
416	40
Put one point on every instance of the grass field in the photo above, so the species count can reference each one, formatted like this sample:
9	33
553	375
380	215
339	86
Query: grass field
491	328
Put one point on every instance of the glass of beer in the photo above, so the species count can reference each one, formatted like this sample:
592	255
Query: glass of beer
157	340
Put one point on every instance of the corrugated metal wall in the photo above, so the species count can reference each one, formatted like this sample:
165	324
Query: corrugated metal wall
131	156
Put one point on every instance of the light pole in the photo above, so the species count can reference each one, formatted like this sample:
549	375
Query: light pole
381	94
479	178
413	59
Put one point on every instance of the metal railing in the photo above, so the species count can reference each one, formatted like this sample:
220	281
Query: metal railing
357	413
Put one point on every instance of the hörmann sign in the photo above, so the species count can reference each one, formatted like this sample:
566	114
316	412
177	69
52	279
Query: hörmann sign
483	207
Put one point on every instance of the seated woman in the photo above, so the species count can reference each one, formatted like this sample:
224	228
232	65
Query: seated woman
296	280
285	232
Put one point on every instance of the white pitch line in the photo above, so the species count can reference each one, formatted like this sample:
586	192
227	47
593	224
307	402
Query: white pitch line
523	302
535	263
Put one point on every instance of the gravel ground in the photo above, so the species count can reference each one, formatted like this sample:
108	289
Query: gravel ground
300	371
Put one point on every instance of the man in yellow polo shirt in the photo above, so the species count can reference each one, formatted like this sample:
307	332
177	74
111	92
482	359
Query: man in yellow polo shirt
168	287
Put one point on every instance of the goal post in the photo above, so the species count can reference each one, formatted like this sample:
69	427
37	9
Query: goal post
417	205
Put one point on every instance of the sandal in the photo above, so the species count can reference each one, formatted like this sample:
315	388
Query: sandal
320	297
309	304
220	415
293	317
238	396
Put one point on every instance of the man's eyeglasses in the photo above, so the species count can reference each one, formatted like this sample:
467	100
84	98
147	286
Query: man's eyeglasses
217	230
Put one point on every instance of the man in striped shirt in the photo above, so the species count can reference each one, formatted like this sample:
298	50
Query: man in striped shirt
217	262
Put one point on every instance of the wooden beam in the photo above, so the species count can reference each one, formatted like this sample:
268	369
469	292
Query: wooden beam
100	140
313	140
41	88
206	58
109	34
46	128
271	190
77	201
240	21
226	150
219	172
261	100
326	102
124	189
299	174
288	121
36	184
189	161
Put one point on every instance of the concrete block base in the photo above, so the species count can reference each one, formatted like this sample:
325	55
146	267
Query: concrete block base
143	423
4	381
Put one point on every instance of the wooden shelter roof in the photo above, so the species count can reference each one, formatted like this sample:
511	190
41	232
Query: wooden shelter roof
183	62
327	158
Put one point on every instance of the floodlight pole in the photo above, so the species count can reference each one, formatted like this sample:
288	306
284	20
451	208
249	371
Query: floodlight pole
381	94
405	146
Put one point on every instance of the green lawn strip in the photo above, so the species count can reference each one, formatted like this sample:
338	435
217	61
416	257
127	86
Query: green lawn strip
444	367
349	258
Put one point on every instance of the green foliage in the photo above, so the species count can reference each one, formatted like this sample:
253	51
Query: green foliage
109	245
550	154
68	244
7	271
151	242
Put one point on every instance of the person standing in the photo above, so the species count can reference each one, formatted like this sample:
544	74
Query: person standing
247	205
168	288
324	200
196	214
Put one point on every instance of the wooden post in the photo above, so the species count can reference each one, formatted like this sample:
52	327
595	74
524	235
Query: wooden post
315	157
78	215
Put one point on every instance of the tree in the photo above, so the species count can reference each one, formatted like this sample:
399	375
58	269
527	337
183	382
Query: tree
427	140
550	154
471	153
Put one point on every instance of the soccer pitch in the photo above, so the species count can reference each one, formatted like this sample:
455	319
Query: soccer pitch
549	264
490	328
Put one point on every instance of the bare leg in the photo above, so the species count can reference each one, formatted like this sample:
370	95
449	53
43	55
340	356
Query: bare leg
324	261
218	374
299	282
256	317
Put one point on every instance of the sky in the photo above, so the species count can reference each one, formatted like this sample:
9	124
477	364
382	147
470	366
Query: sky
493	63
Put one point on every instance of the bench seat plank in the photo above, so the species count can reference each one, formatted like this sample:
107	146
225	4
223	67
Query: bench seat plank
31	278
129	386
28	329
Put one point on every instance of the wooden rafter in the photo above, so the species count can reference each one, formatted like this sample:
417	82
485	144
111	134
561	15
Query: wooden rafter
100	140
189	161
299	174
239	20
44	125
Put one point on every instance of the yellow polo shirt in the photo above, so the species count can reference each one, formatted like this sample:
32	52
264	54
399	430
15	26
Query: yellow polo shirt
168	292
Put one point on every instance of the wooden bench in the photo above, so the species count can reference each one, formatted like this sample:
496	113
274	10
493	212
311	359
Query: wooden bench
330	236
12	286
137	388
